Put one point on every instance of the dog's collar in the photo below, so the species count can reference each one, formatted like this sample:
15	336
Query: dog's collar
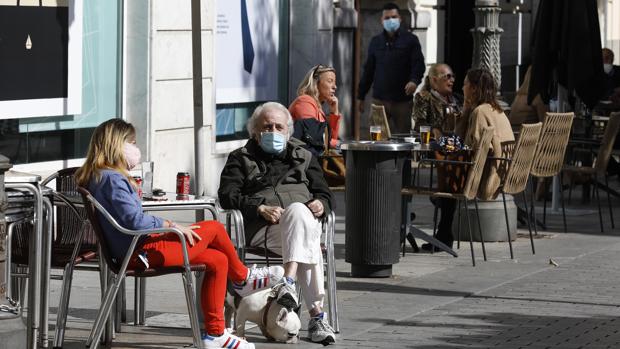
264	320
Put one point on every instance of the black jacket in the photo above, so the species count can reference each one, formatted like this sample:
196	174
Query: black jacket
390	64
252	178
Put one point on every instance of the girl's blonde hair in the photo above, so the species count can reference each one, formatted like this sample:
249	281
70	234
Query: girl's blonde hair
106	151
309	84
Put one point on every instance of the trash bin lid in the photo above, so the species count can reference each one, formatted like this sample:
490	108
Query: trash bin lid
377	146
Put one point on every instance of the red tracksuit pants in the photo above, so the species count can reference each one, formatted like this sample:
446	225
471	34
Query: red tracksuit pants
219	256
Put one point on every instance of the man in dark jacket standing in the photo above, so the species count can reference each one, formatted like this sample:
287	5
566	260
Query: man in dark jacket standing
280	190
612	74
395	65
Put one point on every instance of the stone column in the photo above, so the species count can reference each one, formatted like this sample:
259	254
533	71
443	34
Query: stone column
12	329
486	35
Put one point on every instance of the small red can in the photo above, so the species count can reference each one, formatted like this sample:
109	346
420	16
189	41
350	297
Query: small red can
138	180
183	183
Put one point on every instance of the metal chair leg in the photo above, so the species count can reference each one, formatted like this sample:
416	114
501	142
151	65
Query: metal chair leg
471	238
562	201
484	251
104	312
533	209
458	226
611	214
507	225
331	275
192	308
529	222
61	316
544	180
598	200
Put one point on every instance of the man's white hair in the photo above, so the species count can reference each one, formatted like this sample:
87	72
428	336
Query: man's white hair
253	123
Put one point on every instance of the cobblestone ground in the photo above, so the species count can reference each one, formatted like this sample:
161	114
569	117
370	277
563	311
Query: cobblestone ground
573	305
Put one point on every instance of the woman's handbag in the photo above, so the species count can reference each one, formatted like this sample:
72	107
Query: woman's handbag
334	169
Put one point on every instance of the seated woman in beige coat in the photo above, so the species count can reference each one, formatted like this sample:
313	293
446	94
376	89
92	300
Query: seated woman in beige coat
482	109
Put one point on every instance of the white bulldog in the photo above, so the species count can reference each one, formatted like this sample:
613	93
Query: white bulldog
275	321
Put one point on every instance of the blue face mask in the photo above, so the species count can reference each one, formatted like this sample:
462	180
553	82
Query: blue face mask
272	142
391	24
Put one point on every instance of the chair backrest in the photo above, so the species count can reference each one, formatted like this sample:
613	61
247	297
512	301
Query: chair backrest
93	217
69	225
378	117
474	174
522	159
549	155
607	143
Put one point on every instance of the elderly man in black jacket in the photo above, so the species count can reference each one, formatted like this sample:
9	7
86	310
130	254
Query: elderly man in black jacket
280	189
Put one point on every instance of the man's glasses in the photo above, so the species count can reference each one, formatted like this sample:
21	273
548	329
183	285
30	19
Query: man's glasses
448	76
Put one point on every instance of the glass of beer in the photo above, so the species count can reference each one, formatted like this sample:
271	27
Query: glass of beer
375	133
425	134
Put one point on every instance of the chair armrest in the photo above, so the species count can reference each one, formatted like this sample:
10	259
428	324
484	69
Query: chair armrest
49	179
67	202
237	218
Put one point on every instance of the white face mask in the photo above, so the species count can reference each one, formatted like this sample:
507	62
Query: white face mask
607	68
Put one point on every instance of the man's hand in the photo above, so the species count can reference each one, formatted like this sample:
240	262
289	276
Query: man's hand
316	207
271	214
333	104
360	105
410	88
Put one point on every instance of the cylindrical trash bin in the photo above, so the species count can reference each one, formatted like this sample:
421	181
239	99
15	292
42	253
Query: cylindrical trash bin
374	172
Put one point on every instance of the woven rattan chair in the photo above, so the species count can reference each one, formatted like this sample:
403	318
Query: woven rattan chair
261	255
518	172
599	170
549	156
469	191
378	117
120	269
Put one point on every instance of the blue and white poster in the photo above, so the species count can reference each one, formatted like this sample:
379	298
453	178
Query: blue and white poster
246	57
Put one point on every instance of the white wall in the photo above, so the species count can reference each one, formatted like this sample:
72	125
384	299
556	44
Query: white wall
170	92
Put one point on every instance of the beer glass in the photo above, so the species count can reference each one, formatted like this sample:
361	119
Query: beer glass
375	133
425	134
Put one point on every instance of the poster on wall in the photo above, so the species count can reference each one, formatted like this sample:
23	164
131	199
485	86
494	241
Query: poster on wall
40	58
246	51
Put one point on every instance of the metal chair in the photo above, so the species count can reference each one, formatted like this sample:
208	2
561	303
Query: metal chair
517	174
120	269
549	156
264	256
600	165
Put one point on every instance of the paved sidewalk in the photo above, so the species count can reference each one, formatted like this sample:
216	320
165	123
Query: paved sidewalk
432	301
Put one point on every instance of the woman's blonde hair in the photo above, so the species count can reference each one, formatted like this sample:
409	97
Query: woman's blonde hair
106	151
310	83
433	71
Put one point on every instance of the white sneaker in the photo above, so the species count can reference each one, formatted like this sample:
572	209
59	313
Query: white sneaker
319	331
286	294
226	340
259	279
